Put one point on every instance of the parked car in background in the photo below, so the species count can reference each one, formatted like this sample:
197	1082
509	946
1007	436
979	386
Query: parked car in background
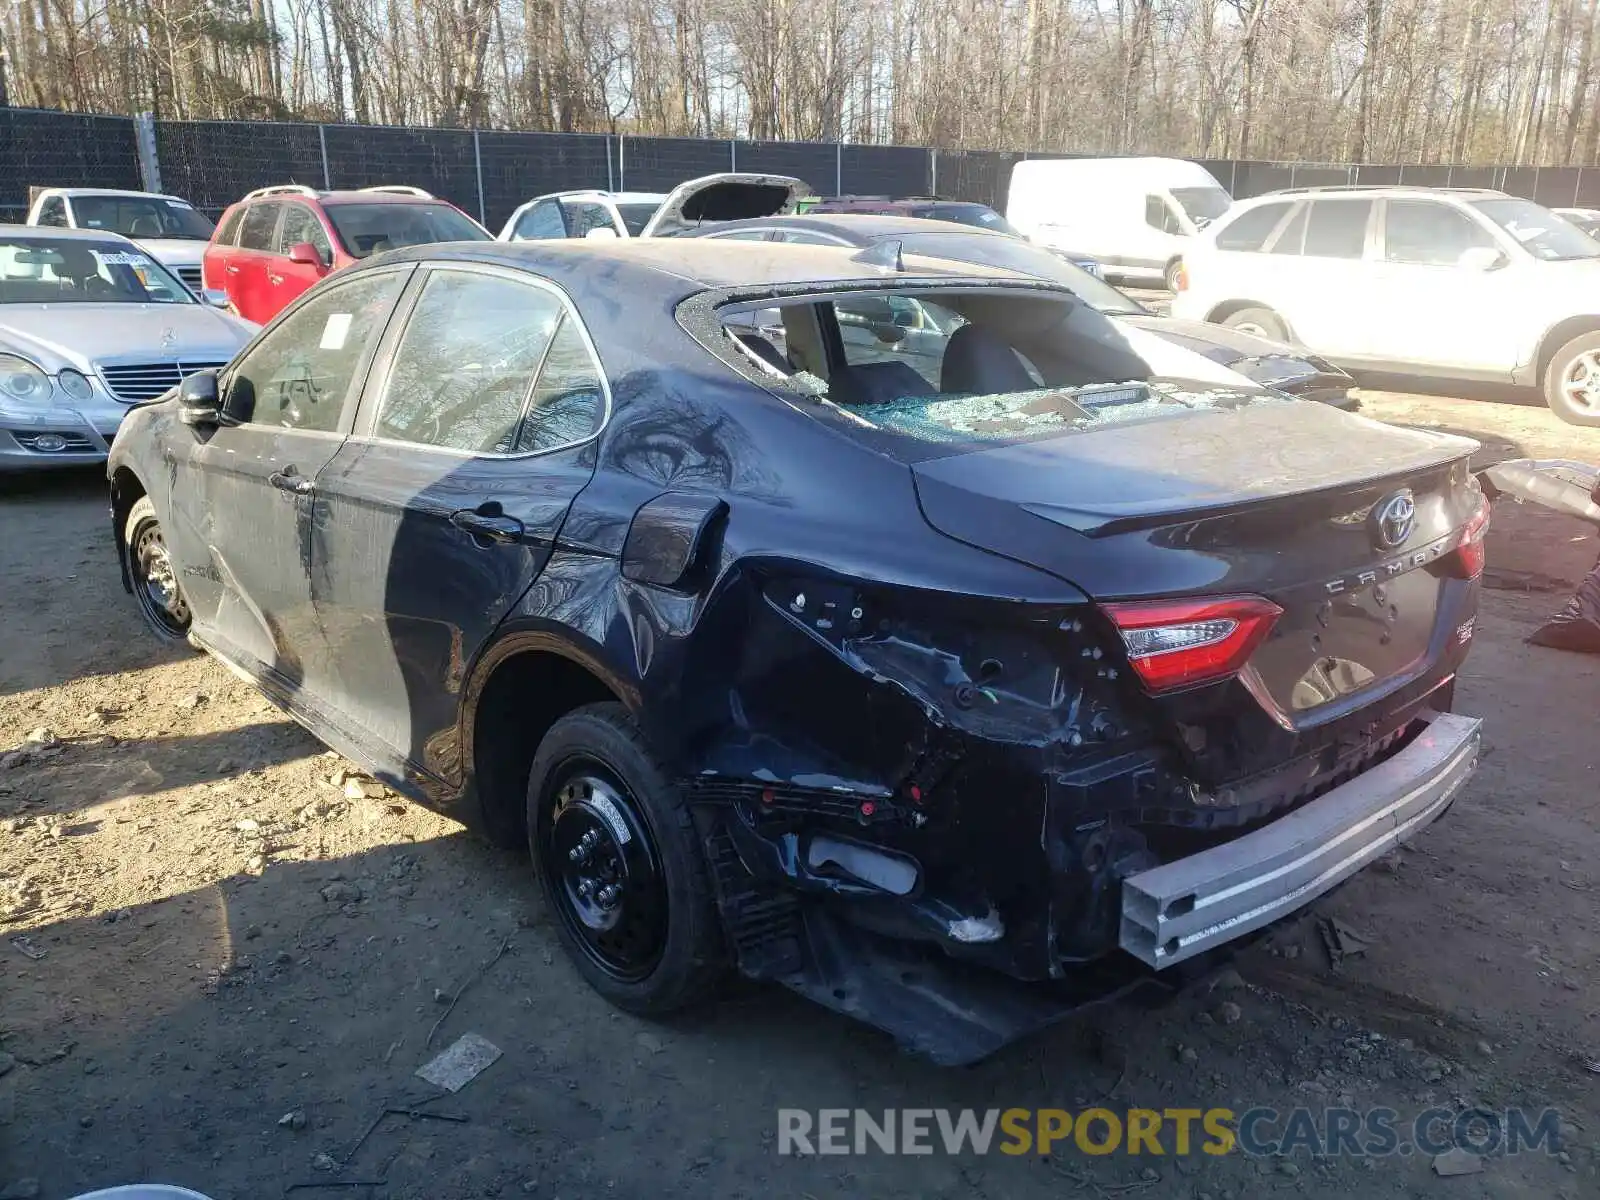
1455	284
1137	216
169	228
90	323
959	212
726	196
276	242
1260	360
1586	219
578	545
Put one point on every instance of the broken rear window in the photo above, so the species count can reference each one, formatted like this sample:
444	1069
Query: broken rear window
919	373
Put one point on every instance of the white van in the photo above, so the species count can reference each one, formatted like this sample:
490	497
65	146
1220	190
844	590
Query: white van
1135	215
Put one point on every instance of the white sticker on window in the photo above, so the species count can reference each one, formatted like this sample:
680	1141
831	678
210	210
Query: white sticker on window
122	258
335	331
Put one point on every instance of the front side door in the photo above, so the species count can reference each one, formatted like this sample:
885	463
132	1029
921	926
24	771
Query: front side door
1438	290
292	394
244	270
287	280
475	435
541	222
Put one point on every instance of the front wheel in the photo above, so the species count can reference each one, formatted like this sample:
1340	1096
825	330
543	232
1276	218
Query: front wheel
154	574
1262	322
1572	381
619	864
1172	276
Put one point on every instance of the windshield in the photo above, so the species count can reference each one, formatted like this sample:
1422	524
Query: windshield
636	216
1203	204
980	215
1541	233
141	217
1015	255
73	271
367	229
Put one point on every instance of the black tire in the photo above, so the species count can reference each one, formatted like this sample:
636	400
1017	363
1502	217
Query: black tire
664	948
1170	275
154	575
1572	381
1260	321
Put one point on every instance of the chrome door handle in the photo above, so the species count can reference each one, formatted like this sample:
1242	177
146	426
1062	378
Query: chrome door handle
291	481
231	270
274	279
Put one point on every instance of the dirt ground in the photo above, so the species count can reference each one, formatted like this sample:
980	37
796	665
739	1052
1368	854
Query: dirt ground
220	961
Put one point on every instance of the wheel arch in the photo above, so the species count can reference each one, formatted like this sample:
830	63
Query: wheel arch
527	681
1557	336
1221	312
127	489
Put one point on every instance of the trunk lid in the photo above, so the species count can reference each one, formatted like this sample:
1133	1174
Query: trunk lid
1298	503
728	196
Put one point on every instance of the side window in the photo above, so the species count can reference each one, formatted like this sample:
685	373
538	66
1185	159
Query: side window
1250	228
749	235
467	362
896	329
1425	233
569	400
1158	214
808	237
584	216
229	232
259	226
53	211
541	221
1292	235
300	375
300	224
1337	228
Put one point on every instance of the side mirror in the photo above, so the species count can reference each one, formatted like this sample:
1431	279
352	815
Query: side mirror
216	297
1481	258
602	232
306	255
198	404
887	332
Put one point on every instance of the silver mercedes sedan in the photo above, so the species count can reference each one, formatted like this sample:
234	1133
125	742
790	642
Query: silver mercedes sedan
90	324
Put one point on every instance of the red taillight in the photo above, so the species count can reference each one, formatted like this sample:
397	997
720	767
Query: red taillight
1471	552
1179	643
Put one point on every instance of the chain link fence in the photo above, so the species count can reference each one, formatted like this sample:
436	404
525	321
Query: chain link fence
488	173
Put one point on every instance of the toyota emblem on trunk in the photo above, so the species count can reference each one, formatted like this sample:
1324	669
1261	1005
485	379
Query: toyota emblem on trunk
1391	520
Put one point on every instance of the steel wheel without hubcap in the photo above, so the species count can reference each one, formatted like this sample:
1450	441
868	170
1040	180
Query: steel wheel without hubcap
155	581
605	873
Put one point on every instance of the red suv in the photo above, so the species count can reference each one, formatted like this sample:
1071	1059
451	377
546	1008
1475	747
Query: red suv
278	241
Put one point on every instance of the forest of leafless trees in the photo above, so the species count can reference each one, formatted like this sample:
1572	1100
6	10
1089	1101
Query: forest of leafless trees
1420	81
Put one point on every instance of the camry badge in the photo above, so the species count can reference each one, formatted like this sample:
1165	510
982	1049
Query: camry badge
1391	520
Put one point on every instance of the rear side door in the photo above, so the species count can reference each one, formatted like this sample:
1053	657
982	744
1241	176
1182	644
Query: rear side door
1319	264
249	504
244	269
290	280
476	433
1432	306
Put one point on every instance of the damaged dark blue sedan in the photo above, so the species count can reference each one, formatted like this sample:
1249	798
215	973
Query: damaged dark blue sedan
874	625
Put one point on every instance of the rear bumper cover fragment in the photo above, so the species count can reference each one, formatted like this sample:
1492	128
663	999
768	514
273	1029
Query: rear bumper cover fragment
1183	908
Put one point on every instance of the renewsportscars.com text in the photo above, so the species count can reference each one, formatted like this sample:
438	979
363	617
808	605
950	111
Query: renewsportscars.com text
1374	1132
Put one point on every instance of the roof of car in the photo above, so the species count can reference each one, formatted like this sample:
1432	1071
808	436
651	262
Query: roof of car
57	233
1385	189
71	192
863	228
704	262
